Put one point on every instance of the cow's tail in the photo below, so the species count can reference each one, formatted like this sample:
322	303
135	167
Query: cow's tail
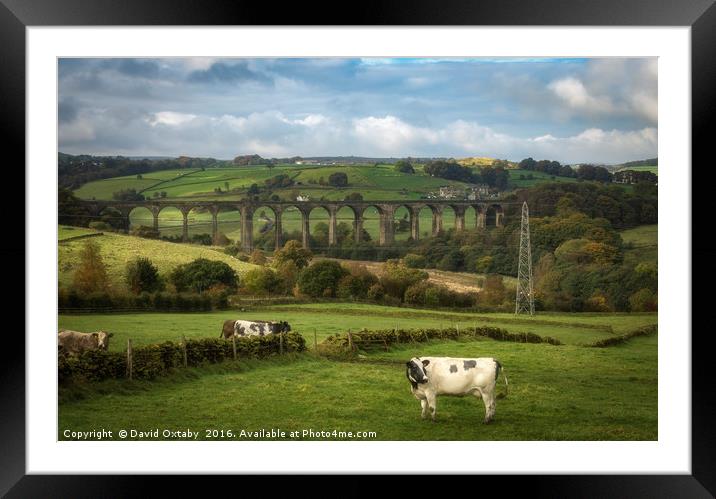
504	376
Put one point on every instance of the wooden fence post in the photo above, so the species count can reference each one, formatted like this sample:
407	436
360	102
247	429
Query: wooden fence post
315	340
457	330
280	343
129	358
233	342
183	345
350	340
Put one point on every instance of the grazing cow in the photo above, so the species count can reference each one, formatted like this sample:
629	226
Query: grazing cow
252	328
433	376
73	342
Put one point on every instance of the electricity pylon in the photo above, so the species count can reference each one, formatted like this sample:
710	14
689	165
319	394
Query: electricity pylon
524	302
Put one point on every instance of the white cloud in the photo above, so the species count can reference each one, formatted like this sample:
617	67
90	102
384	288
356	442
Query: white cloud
170	118
573	92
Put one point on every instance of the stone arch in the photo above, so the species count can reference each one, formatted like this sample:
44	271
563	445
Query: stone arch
431	220
319	227
114	216
449	217
170	221
263	226
371	216
348	223
494	215
293	224
199	224
228	222
470	217
403	221
141	216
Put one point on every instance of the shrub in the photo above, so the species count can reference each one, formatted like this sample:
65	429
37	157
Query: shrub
202	274
145	232
321	278
295	252
338	179
644	300
96	225
257	257
142	275
261	281
414	261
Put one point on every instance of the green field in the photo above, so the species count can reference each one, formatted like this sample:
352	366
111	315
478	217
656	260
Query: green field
332	318
67	232
379	182
537	178
555	393
647	168
117	250
641	244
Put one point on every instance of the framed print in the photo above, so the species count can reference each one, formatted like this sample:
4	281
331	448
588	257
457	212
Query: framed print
272	248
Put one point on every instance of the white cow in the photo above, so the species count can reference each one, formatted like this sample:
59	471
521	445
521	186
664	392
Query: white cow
433	376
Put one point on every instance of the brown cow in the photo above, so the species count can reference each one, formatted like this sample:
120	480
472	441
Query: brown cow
74	342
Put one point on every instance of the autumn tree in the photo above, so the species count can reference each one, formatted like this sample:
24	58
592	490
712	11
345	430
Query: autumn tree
91	274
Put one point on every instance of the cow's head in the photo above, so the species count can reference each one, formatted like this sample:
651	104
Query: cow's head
280	327
415	371
102	338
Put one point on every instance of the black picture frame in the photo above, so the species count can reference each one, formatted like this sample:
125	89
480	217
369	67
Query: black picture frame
700	15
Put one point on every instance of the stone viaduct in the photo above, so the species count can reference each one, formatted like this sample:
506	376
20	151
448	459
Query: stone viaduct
386	210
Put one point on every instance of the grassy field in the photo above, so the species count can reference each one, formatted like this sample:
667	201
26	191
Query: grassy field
641	244
117	250
67	232
647	168
332	318
374	182
555	393
537	178
458	281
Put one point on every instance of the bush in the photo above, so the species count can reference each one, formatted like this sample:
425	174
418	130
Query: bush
321	279
338	179
145	232
202	274
261	281
96	225
257	257
142	275
414	261
295	252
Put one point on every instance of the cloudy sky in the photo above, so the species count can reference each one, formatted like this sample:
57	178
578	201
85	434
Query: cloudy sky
571	110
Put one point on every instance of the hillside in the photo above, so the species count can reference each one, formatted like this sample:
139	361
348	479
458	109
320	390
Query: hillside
373	182
482	161
118	249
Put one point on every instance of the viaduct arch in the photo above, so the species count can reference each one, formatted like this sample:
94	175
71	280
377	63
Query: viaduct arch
386	210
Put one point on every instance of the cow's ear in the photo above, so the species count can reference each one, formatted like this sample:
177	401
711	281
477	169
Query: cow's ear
426	362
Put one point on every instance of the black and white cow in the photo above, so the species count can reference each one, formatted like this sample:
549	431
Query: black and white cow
252	328
433	376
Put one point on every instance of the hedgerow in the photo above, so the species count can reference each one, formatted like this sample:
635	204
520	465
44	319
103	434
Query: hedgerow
150	361
365	340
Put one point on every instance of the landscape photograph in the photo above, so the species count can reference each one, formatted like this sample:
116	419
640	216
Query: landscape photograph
357	249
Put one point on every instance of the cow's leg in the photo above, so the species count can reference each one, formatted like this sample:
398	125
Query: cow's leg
488	397
424	408
431	400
